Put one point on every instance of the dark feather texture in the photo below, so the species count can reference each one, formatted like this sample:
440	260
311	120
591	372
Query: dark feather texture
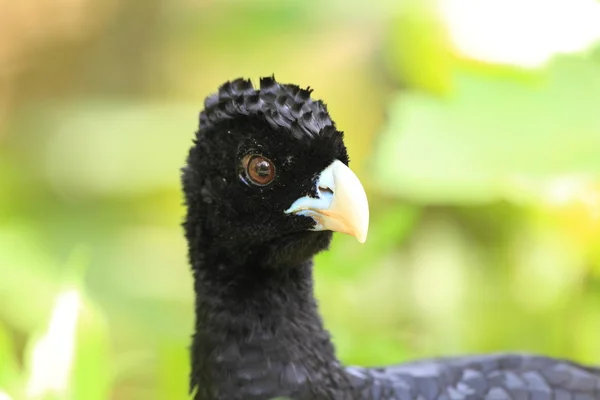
282	106
258	333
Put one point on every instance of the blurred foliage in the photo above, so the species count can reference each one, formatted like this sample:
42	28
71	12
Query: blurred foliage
483	184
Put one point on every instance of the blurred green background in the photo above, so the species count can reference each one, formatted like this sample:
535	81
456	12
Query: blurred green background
475	130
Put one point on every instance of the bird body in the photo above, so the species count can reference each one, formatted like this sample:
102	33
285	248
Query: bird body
266	182
489	377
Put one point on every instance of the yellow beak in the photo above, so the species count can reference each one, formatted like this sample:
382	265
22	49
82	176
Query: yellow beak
341	205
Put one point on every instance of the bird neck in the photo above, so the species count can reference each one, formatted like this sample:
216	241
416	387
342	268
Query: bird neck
258	331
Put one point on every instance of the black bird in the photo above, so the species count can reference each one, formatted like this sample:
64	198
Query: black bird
266	182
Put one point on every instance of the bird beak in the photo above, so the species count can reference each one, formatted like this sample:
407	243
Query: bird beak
341	205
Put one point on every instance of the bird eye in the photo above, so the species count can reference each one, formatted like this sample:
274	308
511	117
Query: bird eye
258	169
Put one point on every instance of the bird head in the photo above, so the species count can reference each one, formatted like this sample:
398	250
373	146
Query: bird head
269	169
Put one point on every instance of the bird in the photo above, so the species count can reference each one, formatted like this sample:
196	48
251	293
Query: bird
266	183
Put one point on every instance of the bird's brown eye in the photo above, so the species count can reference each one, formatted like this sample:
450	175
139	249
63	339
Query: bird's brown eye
258	169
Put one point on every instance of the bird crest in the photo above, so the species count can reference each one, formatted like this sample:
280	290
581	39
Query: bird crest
282	105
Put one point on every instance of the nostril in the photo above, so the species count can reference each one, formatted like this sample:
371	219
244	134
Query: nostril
324	189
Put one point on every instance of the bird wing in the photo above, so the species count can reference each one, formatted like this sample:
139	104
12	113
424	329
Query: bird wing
489	377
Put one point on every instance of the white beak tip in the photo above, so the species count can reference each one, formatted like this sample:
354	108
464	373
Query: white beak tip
361	232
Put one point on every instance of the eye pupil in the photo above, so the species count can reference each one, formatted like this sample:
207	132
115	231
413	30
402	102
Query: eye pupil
259	170
262	168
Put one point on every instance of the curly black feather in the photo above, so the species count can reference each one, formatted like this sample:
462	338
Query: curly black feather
283	105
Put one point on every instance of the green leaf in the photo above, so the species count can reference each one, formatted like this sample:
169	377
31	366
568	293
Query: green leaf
173	367
23	263
418	53
390	225
10	377
91	373
128	147
69	358
494	132
91	377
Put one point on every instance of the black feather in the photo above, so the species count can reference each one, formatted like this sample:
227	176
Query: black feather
258	333
281	104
